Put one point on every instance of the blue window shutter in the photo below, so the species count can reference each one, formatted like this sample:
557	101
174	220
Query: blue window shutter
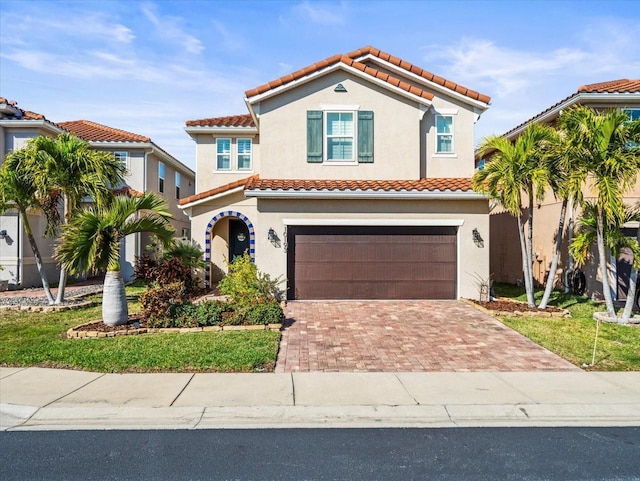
314	136
365	136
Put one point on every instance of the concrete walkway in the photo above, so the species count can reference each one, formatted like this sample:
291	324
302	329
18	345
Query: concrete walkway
47	399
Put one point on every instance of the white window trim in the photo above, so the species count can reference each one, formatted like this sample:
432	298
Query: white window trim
230	169
237	156
126	157
452	134
325	138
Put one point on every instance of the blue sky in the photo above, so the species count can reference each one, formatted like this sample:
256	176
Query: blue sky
147	67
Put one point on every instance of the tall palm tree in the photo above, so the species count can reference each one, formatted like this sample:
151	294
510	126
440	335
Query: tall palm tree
566	179
607	145
516	169
69	170
91	240
18	191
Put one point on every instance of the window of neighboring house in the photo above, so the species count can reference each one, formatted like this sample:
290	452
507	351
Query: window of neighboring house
339	136
122	157
480	165
178	185
161	177
223	148
444	134
244	154
634	114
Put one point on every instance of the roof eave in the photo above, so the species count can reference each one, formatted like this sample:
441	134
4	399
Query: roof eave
45	124
211	197
210	129
362	194
319	73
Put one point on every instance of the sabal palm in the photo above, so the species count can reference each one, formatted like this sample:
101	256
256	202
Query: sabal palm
18	191
604	144
91	240
67	169
516	169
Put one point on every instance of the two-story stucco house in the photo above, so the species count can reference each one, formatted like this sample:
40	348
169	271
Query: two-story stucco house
149	169
349	179
506	263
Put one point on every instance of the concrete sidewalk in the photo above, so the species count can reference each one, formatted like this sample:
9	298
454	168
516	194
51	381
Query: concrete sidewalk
39	399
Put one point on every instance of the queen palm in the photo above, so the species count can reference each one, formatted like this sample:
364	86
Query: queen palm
18	191
91	240
606	144
517	168
68	170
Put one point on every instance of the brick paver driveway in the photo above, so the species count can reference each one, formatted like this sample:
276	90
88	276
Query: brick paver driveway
404	336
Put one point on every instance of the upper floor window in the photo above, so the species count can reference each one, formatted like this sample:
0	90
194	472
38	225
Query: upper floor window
223	149
634	114
444	134
161	177
340	136
244	154
481	164
122	157
340	131
178	179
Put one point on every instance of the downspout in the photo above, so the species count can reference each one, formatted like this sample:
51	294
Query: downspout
20	252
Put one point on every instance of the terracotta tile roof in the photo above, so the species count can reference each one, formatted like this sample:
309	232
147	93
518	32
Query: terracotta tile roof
26	114
128	191
431	185
398	62
217	190
243	120
351	60
94	132
610	86
613	86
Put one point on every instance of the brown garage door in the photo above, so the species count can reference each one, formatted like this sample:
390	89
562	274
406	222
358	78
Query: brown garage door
371	262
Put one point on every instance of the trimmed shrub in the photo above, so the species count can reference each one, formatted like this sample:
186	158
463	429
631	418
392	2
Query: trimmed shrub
269	313
210	313
246	287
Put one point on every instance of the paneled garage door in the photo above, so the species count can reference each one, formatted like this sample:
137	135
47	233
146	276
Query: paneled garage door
371	262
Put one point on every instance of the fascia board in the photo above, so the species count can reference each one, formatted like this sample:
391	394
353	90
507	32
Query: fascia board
332	68
427	83
30	124
363	194
210	198
192	130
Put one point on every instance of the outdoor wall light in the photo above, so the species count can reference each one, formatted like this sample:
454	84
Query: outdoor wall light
273	237
477	238
3	233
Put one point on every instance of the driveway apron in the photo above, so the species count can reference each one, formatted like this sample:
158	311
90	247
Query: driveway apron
403	336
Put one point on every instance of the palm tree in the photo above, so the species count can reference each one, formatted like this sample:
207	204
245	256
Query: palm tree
514	169
566	179
91	240
18	191
69	171
606	144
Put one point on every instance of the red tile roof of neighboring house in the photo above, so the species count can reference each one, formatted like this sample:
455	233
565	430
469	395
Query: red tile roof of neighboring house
398	62
94	132
433	184
26	114
351	60
128	191
217	190
243	120
613	86
609	87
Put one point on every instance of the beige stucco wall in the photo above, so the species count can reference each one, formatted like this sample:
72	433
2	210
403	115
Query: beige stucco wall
473	261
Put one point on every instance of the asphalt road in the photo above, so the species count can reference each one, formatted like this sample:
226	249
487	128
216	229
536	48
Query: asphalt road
324	454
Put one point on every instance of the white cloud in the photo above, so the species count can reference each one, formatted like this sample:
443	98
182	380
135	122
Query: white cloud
169	28
326	15
230	41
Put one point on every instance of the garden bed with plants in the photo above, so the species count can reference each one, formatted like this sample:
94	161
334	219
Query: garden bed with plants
507	307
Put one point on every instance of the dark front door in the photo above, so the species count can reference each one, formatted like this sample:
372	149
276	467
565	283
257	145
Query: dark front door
372	262
238	238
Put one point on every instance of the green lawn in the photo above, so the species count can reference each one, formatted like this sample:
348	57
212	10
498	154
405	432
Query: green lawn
35	339
572	338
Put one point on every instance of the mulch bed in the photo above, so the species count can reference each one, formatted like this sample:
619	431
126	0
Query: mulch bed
135	322
513	306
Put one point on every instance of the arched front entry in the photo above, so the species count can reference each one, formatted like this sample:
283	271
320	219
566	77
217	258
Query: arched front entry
232	215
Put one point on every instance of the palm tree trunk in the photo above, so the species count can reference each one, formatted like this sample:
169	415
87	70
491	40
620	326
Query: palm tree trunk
604	271
571	263
526	267
62	282
530	249
36	254
631	293
556	256
114	300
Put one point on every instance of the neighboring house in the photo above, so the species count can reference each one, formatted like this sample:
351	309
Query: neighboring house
349	179
17	127
506	260
149	169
